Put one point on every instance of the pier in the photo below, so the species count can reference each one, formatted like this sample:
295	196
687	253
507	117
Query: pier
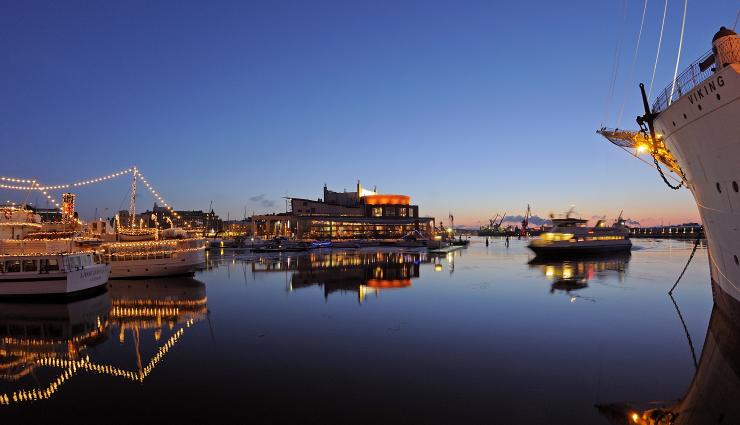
682	231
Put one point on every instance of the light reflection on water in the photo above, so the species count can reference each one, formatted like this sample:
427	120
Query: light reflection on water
484	335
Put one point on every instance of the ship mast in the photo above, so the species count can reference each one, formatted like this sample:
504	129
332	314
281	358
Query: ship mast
132	205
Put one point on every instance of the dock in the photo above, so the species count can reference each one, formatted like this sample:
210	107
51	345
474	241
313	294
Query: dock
446	249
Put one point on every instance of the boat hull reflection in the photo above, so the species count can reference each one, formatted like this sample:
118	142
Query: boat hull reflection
574	273
714	393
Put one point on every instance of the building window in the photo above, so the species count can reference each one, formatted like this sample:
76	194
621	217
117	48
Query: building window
377	212
390	211
402	212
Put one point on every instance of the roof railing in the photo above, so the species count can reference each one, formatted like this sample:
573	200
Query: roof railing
695	74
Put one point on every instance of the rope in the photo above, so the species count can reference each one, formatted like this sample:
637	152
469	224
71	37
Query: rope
634	62
736	19
686	331
693	251
657	54
615	66
680	45
645	162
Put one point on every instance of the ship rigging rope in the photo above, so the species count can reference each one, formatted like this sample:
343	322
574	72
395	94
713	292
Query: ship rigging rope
657	54
615	65
634	62
693	251
647	163
680	45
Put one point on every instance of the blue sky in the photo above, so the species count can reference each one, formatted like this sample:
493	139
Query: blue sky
468	107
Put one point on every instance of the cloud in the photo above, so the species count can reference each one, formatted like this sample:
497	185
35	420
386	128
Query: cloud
265	203
535	219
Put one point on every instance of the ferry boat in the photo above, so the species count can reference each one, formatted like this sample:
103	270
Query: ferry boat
170	252
31	264
692	129
572	236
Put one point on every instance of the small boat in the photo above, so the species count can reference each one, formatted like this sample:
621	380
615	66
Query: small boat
280	248
320	244
572	236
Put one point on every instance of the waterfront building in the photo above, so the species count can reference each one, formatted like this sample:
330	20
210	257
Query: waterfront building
346	215
191	220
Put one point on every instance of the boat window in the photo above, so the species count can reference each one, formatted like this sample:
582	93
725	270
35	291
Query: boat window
30	265
13	266
49	264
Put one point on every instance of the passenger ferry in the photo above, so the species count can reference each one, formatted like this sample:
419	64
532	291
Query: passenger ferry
40	265
169	252
573	236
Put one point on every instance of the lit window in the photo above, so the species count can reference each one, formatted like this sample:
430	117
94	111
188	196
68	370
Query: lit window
377	211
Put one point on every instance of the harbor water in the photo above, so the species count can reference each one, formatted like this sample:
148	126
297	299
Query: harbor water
371	335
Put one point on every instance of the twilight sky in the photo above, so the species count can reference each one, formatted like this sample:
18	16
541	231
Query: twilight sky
469	107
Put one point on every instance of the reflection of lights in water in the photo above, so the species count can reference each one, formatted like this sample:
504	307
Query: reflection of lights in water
567	272
549	271
73	366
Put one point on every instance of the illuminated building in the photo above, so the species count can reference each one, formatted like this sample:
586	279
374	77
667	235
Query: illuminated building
189	220
346	215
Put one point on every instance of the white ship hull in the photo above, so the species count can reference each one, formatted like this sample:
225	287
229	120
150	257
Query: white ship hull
54	283
180	263
703	134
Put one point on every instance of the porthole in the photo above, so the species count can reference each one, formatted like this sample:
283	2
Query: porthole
718	96
736	260
734	186
684	116
719	189
699	107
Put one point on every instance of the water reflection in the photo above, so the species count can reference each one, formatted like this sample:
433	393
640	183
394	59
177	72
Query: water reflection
568	275
714	392
360	272
52	340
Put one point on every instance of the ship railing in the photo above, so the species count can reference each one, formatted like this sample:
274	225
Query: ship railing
695	74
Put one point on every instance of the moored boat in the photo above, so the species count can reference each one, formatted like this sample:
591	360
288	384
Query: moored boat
572	236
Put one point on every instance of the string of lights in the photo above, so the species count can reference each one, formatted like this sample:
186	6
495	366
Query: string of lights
156	195
15	183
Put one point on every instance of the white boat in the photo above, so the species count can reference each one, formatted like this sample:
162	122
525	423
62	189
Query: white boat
42	265
62	273
572	236
693	130
160	257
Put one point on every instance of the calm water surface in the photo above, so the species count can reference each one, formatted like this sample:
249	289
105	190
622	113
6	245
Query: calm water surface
365	336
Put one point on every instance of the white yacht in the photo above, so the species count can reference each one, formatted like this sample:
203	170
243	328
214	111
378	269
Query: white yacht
573	236
43	266
693	130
